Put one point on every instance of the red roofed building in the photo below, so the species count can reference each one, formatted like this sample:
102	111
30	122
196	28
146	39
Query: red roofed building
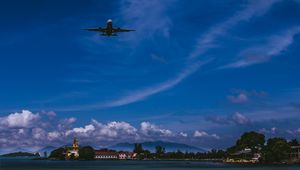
106	154
111	154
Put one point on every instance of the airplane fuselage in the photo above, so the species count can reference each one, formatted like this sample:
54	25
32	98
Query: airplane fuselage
109	27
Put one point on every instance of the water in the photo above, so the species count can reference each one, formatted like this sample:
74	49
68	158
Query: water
23	164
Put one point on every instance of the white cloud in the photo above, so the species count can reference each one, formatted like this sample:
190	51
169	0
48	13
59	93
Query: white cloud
215	136
243	96
240	119
150	129
23	119
38	133
50	114
200	134
240	98
122	126
53	135
203	134
114	129
81	130
66	123
21	131
183	134
263	130
70	120
271	131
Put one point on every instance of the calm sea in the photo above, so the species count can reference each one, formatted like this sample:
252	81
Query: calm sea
23	164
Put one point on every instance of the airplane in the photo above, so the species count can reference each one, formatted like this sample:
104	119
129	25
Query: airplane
109	30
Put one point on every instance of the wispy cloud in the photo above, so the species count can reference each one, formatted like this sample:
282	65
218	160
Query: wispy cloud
243	96
158	58
144	93
274	46
149	18
236	119
207	40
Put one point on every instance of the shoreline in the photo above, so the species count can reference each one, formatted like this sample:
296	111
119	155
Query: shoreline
189	160
218	161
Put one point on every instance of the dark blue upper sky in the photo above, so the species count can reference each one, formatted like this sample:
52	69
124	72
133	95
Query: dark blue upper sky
199	72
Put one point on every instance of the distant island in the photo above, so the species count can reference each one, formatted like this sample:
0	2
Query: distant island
21	154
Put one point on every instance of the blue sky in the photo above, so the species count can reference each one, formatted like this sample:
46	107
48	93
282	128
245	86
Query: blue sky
196	72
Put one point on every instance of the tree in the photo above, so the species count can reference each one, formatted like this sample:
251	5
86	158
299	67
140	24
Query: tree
252	140
138	148
86	153
277	150
179	155
147	154
159	151
294	142
58	154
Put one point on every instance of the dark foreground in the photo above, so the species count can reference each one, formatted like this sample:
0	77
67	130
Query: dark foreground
16	164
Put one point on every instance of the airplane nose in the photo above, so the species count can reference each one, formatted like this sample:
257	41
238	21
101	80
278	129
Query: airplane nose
109	20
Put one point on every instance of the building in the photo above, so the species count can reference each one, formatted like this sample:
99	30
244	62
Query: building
246	156
106	154
246	153
122	155
111	154
74	151
127	155
295	152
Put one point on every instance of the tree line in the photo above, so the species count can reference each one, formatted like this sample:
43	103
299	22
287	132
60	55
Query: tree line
160	153
273	150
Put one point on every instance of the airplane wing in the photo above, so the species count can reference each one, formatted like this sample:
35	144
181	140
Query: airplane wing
122	30
95	29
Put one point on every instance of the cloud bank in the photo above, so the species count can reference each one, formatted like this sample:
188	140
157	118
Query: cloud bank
37	130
